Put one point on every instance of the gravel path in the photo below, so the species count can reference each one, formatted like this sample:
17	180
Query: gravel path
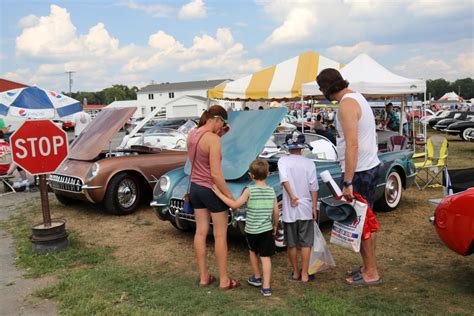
15	291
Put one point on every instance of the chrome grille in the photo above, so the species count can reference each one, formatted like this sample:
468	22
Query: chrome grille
65	183
176	209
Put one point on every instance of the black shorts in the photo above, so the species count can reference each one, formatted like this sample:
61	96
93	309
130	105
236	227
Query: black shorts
262	244
203	197
365	183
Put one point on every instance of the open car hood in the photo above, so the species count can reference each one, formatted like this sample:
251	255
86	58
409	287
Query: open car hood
97	135
246	139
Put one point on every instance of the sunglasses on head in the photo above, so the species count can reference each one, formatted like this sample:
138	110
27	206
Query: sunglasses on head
221	118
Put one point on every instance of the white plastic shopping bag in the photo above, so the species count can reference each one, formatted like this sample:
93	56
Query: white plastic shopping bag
321	258
349	236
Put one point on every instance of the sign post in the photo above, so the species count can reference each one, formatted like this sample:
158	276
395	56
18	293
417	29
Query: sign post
39	147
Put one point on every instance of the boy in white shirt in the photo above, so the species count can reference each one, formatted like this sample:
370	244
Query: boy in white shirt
300	196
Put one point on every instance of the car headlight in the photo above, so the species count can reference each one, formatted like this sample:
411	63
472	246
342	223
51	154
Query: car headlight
93	171
164	183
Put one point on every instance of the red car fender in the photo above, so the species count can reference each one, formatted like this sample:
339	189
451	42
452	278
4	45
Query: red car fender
454	222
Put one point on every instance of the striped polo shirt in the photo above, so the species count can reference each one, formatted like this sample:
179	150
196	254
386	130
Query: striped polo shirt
259	209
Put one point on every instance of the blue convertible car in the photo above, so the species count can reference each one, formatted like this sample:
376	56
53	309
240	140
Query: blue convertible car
251	136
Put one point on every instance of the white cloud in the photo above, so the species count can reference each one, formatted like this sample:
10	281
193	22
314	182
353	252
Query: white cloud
339	52
155	10
28	21
439	8
297	26
196	9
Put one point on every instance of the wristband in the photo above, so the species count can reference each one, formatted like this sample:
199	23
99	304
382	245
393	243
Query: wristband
346	183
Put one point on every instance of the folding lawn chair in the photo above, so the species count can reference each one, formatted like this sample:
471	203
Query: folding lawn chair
5	159
396	143
434	164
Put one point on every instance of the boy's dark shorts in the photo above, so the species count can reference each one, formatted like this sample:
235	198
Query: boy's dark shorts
203	197
262	244
299	234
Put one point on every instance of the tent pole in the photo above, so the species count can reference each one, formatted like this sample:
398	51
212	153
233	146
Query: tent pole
302	114
402	110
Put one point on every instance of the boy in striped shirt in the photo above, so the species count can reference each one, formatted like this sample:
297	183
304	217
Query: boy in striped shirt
260	223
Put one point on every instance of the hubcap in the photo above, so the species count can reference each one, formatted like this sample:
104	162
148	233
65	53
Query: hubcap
127	193
466	133
392	189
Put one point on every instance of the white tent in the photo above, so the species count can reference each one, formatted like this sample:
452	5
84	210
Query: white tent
368	77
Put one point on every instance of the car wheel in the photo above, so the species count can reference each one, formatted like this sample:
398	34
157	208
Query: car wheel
65	200
280	233
392	193
465	133
123	194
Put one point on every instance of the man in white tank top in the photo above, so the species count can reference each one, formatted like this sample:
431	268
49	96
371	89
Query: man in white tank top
357	151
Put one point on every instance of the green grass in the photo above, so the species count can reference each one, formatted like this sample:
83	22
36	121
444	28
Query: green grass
38	265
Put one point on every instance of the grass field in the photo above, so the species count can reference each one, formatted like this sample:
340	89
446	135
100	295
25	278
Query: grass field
138	265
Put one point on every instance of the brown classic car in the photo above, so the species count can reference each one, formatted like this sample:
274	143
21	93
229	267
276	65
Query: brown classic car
120	179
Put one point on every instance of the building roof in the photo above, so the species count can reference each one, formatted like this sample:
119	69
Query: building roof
93	106
182	86
6	85
197	97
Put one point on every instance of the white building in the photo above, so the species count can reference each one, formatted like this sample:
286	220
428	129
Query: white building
186	106
160	95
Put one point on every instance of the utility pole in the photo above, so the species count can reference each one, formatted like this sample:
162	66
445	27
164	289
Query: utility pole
70	80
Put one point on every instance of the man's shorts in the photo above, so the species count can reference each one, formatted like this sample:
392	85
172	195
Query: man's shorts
262	244
299	234
365	183
203	197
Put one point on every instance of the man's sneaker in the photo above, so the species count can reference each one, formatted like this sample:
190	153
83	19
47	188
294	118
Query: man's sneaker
252	280
266	292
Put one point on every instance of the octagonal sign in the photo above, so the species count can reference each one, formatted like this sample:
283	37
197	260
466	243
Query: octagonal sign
39	146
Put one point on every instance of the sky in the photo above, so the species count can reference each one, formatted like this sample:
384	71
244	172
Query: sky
136	42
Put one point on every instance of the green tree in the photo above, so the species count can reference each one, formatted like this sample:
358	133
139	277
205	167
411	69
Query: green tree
437	87
464	88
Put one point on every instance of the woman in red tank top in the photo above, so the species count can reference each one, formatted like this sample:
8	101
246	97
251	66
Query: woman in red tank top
204	151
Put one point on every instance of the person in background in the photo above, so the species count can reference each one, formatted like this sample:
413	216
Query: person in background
357	151
260	224
204	152
392	121
81	120
300	196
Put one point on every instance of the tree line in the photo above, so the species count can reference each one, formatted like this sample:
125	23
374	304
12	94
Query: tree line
106	96
463	87
434	88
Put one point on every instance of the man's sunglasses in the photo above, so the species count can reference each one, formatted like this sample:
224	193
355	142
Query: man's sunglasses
221	118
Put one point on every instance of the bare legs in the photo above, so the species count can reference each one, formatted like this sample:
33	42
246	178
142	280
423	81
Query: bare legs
369	263
305	255
266	267
219	221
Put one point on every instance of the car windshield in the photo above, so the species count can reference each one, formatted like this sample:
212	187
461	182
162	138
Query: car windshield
187	127
322	148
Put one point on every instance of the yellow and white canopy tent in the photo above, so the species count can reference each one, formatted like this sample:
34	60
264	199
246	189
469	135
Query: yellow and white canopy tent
282	81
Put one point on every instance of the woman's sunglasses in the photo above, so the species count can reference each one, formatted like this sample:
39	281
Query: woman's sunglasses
222	119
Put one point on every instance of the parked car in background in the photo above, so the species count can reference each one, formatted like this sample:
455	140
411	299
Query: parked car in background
462	128
460	117
119	179
68	125
470	136
440	113
251	137
450	115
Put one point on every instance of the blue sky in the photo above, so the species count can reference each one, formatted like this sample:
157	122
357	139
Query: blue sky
133	42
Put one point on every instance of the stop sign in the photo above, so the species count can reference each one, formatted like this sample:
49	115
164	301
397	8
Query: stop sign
39	146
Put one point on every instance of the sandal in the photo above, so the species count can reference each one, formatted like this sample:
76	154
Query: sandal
233	283
311	277
210	279
355	271
358	280
292	277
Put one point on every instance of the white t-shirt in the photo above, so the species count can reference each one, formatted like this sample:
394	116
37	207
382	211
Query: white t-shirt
367	157
300	172
81	120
